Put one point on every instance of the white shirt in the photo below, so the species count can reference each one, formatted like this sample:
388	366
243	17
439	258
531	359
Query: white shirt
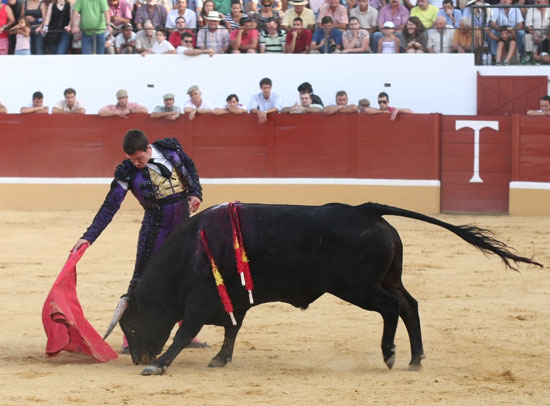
204	105
163	47
119	39
258	102
189	16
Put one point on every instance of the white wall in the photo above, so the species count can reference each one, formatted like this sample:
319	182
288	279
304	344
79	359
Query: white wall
424	83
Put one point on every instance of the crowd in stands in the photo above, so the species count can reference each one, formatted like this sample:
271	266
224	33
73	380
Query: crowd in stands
193	27
262	104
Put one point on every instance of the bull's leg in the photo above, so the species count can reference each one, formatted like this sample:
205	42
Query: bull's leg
185	334
408	311
377	299
226	353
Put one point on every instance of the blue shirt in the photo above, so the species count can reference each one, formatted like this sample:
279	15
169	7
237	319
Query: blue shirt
456	13
335	39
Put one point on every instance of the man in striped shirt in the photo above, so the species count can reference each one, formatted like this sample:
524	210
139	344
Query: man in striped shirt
273	41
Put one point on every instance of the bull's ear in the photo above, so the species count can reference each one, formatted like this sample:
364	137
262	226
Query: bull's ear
119	311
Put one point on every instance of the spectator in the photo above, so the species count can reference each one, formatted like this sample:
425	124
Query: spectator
307	88
305	106
223	6
536	20
319	42
265	102
299	39
364	106
506	47
213	36
153	12
57	27
462	39
176	36
3	109
356	39
337	12
207	7
168	111
22	30
383	102
440	38
427	13
511	18
544	107
368	20
181	10
196	104
232	107
542	52
298	10
6	21
125	42
161	46
186	48
94	19
245	38
233	19
36	107
120	12
267	13
389	43
122	109
341	105
145	39
197	6
451	14
110	42
274	40
395	13
70	105
414	39
35	11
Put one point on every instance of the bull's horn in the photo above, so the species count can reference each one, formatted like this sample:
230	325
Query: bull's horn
119	311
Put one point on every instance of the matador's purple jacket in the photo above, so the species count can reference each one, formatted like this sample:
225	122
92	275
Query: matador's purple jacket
163	211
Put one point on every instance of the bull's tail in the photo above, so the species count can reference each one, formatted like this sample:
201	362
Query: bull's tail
478	237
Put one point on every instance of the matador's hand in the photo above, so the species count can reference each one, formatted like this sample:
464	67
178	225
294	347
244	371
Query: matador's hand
194	203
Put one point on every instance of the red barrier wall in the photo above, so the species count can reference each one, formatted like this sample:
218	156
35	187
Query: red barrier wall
341	146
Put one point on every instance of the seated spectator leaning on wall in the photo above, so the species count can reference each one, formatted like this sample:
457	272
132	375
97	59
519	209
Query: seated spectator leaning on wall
145	39
125	42
213	35
123	108
305	106
195	104
299	39
265	102
175	37
426	12
70	104
307	88
3	109
186	47
544	107
168	111
232	107
364	106
341	105
36	107
383	102
161	45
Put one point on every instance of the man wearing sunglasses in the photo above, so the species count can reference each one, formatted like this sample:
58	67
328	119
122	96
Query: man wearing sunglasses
186	47
384	107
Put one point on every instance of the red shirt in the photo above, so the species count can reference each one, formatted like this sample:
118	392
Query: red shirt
302	40
175	38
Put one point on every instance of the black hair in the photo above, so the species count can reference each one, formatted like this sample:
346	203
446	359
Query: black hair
134	141
305	88
69	90
37	95
265	81
232	95
545	97
326	20
384	94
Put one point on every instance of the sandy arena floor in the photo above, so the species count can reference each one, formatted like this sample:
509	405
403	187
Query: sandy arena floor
486	330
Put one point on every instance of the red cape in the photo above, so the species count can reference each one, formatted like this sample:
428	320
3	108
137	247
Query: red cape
64	322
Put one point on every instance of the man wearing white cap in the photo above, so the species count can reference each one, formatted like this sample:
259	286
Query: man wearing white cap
214	35
196	104
298	10
168	111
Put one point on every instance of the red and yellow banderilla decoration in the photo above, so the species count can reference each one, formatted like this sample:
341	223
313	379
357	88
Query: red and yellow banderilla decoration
222	291
243	266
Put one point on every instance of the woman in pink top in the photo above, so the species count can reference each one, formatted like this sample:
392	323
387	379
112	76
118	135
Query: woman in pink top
6	20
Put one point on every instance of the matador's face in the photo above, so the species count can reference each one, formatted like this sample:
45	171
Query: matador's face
141	158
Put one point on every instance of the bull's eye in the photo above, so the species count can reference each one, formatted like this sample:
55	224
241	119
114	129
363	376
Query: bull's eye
132	331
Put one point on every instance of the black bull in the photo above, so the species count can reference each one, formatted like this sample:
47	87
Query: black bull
296	254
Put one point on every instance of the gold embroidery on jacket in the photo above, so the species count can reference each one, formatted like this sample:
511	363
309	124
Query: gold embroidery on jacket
166	187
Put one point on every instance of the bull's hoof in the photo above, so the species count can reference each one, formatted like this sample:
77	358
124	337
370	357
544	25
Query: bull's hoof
390	361
415	367
415	364
152	370
218	362
389	355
